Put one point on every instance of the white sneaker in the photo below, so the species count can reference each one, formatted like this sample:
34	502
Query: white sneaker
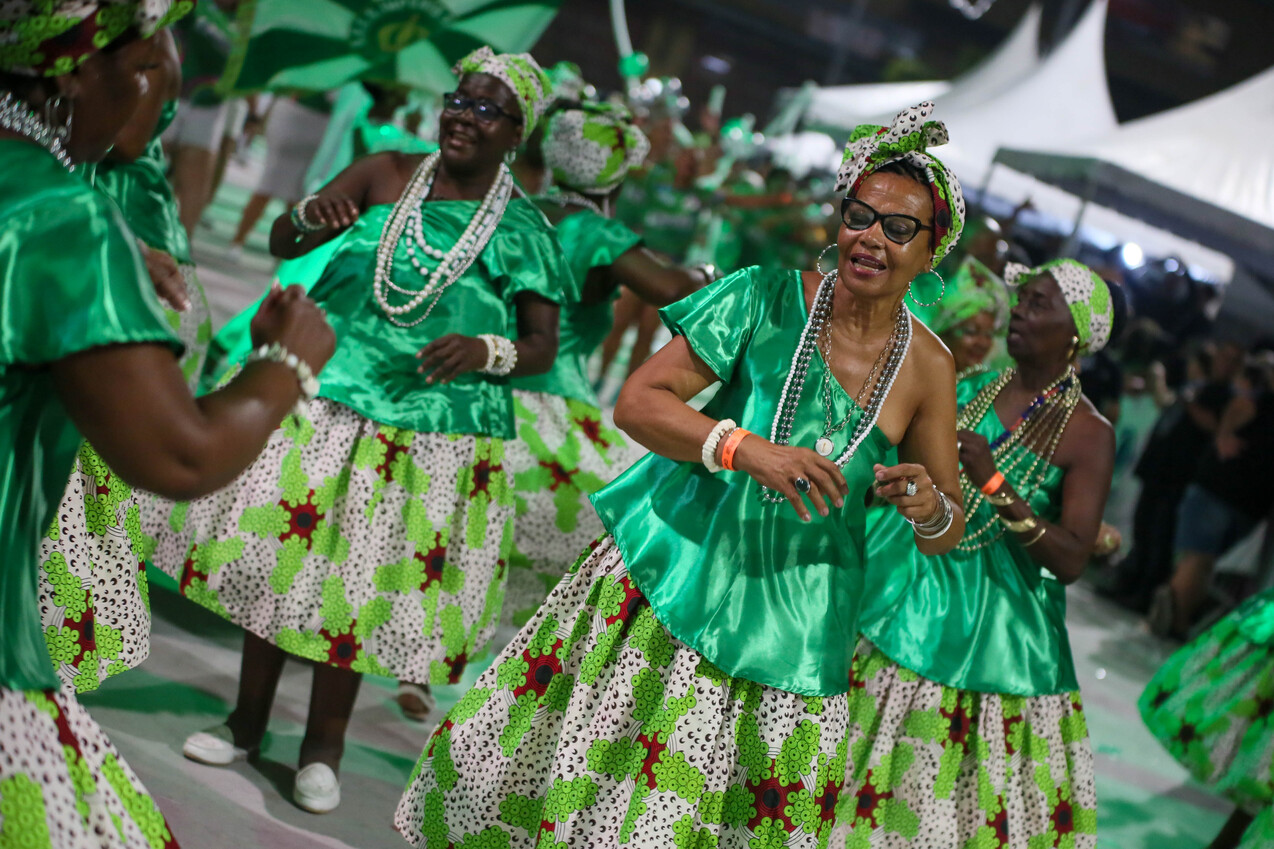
213	746
317	789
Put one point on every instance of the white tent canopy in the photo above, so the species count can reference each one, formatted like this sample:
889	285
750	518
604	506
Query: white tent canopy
844	107
1062	101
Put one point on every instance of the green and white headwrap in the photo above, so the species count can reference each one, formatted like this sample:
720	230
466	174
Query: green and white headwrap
973	289
48	38
1085	292
524	77
567	81
872	146
593	146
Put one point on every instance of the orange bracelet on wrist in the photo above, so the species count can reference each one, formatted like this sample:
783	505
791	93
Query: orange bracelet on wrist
731	445
993	484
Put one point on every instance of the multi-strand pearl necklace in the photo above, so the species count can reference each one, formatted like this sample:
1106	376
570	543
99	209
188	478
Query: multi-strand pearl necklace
793	387
17	116
408	214
1040	427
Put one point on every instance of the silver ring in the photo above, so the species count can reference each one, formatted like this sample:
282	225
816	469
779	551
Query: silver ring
802	484
911	489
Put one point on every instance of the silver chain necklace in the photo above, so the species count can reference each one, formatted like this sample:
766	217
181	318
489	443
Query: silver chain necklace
567	198
888	352
17	116
793	387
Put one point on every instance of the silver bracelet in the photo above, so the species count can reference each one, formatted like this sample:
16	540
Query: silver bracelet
709	451
502	355
938	524
276	353
299	221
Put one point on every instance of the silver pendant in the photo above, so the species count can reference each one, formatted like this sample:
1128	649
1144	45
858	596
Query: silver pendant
824	446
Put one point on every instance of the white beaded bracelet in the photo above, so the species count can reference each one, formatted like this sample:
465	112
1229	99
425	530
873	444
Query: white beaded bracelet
709	452
502	355
276	353
299	221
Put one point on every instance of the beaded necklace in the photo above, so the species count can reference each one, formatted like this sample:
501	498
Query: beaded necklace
17	116
794	385
408	214
566	198
1041	425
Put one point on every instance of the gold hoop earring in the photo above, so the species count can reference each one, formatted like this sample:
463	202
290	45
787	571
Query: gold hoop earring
1074	351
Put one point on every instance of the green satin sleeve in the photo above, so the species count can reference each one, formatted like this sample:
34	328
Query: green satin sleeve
588	241
759	593
990	620
718	321
71	269
142	191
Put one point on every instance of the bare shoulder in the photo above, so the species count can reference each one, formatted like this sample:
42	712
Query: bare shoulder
1088	434
928	352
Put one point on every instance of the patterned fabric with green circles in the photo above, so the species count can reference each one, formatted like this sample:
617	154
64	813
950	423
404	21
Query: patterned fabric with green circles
592	147
53	37
1085	292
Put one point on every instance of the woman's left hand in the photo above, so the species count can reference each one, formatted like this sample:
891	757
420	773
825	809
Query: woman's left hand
975	456
450	356
891	485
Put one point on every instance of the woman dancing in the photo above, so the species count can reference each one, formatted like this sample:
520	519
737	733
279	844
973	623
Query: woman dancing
373	533
687	680
79	305
965	730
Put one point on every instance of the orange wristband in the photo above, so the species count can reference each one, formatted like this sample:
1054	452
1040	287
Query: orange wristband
731	444
993	484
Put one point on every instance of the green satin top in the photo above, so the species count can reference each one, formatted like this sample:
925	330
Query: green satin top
374	368
142	190
70	279
991	620
589	241
747	584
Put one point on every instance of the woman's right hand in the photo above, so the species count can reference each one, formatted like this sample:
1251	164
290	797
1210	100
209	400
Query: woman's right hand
778	467
332	209
289	317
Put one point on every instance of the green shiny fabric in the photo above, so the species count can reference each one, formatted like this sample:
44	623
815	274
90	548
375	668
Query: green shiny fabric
991	620
70	279
747	584
374	368
142	188
589	241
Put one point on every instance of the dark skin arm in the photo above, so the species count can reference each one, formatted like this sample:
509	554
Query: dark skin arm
155	435
650	278
1087	455
450	356
365	182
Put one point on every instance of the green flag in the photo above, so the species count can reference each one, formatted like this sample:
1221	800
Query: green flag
319	45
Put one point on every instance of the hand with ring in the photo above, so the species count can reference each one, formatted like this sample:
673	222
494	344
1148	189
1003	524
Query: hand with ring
908	487
797	473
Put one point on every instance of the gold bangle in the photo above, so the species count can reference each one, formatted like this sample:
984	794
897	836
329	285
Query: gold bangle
1002	499
1020	526
1030	542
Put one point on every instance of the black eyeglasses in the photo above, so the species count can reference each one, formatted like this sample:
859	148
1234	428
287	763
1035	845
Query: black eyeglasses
899	229
484	110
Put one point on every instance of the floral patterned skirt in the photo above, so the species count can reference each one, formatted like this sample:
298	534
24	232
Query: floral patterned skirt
1212	705
565	451
932	766
63	785
595	727
352	543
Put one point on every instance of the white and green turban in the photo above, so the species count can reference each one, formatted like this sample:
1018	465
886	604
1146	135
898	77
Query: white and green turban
53	37
908	139
592	147
522	74
1085	292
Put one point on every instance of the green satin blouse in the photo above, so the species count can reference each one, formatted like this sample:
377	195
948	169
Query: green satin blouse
70	279
374	368
747	584
991	620
589	241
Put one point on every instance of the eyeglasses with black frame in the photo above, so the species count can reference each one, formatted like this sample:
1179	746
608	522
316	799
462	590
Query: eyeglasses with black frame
486	111
899	229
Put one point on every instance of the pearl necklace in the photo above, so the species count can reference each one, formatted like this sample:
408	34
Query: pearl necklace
820	312
567	198
17	116
408	215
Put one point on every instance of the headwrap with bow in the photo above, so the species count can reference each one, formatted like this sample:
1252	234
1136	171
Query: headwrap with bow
592	147
524	77
1085	292
871	146
53	37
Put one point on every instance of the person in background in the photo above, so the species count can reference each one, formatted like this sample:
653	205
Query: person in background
971	317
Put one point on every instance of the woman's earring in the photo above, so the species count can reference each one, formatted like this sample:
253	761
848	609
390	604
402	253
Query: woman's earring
60	127
819	264
941	294
510	155
1074	351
